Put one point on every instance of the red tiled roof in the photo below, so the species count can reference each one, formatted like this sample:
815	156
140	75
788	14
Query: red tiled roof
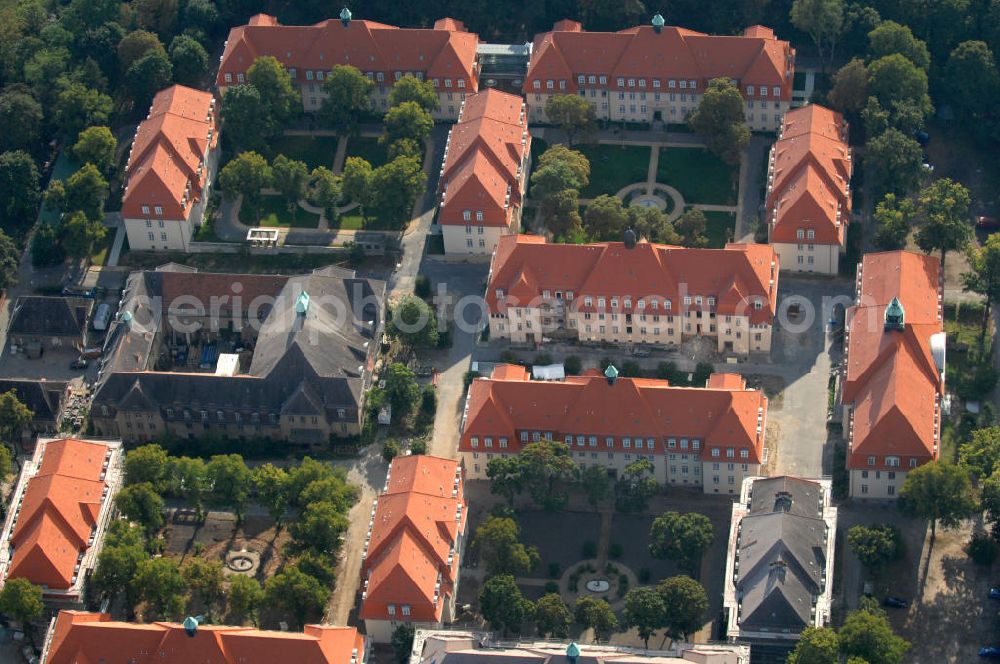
724	414
892	379
417	524
810	177
168	150
445	51
756	58
485	149
525	266
89	638
62	502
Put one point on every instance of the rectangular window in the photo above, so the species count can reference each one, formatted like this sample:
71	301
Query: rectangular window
474	441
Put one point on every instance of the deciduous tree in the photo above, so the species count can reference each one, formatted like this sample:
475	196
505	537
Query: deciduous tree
143	505
576	160
596	484
944	208
326	190
244	596
890	37
80	234
561	214
635	486
506	476
296	592
290	177
498	542
394	188
850	87
720	118
552	616
245	176
892	162
14	417
357	182
651	223
605	218
10	258
596	614
691	226
319	528
116	566
983	277
411	88
136	44
96	145
407	121
574	115
939	492
875	545
685	604
189	59
413	322
547	465
402	640
85	191
19	109
893	218
279	100
870	637
188	478
245	126
822	20
893	78
502	604
644	611
230	480
21	600
159	583
147	76
972	79
817	645
271	485
20	193
348	98
204	578
78	107
146	463
683	537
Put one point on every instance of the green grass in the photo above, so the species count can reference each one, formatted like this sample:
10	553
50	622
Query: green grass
613	167
64	167
274	213
313	150
966	360
347	222
699	175
720	225
368	149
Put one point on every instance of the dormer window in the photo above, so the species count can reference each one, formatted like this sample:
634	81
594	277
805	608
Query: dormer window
500	294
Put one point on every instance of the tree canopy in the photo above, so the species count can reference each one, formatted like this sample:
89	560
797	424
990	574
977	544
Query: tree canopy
498	542
685	604
348	98
574	115
502	604
939	492
683	537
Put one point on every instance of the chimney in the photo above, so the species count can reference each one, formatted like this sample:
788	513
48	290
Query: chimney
345	16
658	23
629	239
611	374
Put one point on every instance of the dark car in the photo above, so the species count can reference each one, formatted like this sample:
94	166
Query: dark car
895	602
994	593
989	652
79	363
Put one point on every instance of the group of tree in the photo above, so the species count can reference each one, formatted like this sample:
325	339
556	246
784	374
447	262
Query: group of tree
545	469
676	605
574	115
319	493
979	456
866	636
497	543
66	73
607	218
502	604
876	545
939	213
720	119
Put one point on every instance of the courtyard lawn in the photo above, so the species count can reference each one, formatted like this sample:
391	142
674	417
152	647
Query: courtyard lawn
313	150
699	175
347	222
720	227
368	149
613	167
274	213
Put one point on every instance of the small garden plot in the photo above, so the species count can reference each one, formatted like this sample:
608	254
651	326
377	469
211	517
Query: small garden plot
699	175
313	150
613	167
274	212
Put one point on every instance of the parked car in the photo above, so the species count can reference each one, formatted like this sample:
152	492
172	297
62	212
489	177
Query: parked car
994	593
79	363
989	652
987	223
895	602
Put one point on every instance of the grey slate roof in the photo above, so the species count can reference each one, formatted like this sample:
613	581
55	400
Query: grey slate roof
303	363
782	554
37	315
41	397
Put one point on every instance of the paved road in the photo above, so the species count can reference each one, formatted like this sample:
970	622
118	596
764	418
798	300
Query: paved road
804	358
752	174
